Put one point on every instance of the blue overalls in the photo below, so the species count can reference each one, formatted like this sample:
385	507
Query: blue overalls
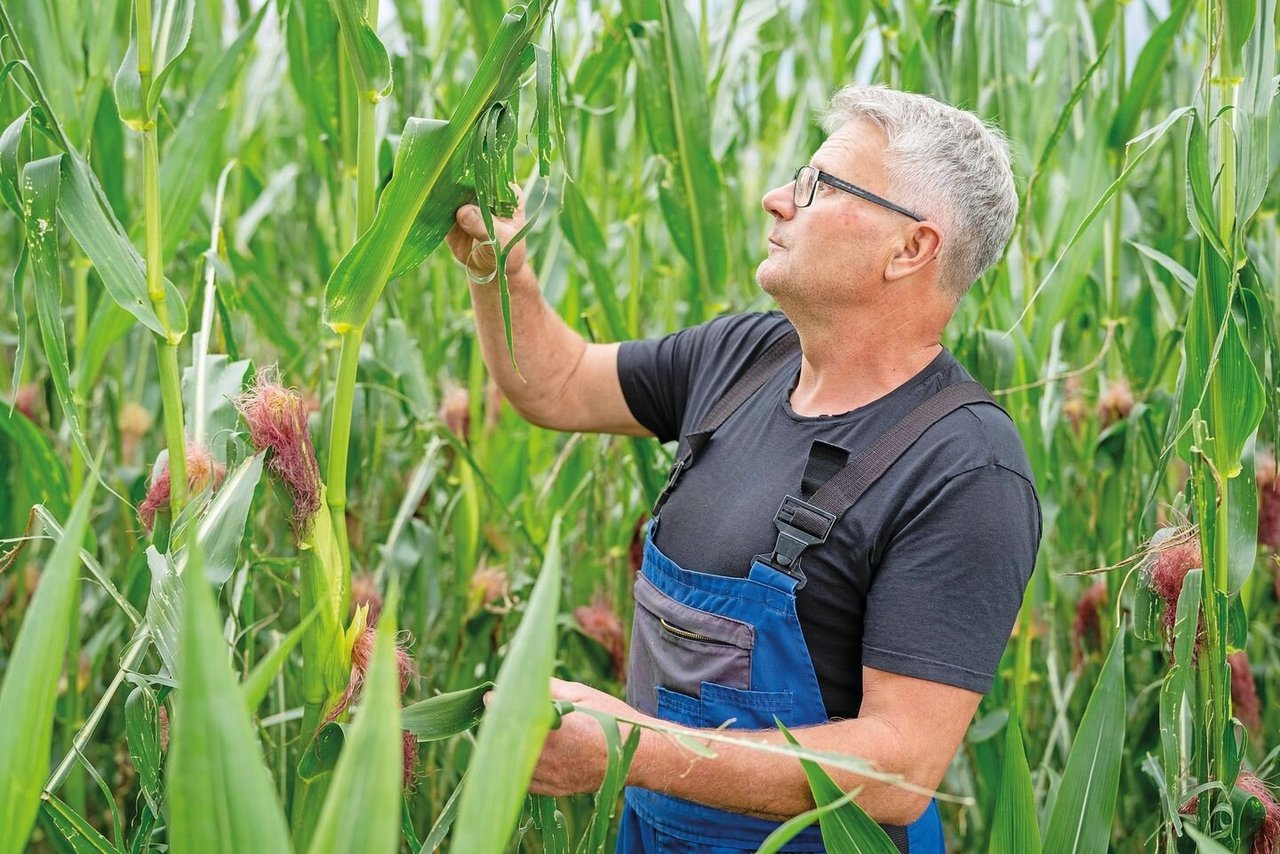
713	650
709	649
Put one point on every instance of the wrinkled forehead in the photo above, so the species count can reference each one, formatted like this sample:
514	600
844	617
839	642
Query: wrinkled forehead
856	147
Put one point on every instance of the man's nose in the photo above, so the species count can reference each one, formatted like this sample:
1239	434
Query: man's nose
778	202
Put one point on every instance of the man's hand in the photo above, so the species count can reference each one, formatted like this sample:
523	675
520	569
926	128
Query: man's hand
470	243
574	757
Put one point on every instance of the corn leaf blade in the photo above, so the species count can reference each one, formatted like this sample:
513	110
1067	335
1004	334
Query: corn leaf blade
446	715
369	60
1086	801
427	151
1015	826
29	692
362	809
220	793
846	829
517	721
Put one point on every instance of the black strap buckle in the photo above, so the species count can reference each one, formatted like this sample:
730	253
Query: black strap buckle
674	475
800	525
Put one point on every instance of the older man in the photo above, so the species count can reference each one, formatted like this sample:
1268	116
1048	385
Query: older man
846	535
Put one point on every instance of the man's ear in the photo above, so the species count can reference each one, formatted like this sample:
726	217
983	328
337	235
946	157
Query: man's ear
920	247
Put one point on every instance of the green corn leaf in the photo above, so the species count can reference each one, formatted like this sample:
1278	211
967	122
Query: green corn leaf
445	715
190	154
74	831
171	22
84	210
1015	827
677	118
549	821
221	527
142	731
369	60
846	829
1237	24
1148	72
585	235
1205	844
311	32
258	682
619	755
220	793
108	325
29	692
40	182
1221	380
218	533
1086	800
1152	137
20	314
517	721
1187	619
362	810
1200	205
791	828
43	470
444	821
224	380
10	141
1253	116
428	151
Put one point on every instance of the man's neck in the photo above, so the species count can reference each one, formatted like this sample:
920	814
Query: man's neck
852	361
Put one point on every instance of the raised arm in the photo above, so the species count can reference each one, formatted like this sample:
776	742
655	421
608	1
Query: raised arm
564	383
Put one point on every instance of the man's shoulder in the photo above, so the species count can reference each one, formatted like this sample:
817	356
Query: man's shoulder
976	436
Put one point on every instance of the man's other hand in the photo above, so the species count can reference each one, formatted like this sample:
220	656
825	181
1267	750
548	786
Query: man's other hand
574	757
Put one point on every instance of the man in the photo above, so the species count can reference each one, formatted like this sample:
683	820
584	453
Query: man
873	623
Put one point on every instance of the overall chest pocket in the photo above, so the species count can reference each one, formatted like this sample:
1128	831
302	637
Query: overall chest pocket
679	647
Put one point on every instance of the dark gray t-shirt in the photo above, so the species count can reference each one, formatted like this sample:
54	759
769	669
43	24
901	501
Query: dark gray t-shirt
922	577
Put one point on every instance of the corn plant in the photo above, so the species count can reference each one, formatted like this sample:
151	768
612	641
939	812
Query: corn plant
247	434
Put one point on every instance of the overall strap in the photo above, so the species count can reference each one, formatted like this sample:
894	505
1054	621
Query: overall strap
806	523
760	372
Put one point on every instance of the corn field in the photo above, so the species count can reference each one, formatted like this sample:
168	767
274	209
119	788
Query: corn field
233	353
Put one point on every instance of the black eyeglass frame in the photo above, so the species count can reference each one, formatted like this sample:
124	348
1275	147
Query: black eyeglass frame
853	189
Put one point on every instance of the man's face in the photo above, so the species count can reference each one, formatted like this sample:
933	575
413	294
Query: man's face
838	246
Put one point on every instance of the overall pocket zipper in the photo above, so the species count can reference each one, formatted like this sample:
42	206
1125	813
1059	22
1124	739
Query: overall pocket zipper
688	635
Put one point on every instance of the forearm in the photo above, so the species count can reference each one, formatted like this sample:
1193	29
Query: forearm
741	779
547	350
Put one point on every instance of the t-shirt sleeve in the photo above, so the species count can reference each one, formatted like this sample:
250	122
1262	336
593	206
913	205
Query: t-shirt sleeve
948	589
654	374
661	376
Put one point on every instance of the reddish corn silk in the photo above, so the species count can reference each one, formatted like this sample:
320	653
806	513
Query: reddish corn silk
361	655
602	624
277	421
1087	630
202	469
1168	572
1244	692
1115	403
409	750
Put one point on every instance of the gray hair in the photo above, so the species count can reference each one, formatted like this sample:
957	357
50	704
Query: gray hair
945	164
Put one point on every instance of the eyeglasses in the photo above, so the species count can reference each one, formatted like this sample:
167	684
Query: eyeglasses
806	185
